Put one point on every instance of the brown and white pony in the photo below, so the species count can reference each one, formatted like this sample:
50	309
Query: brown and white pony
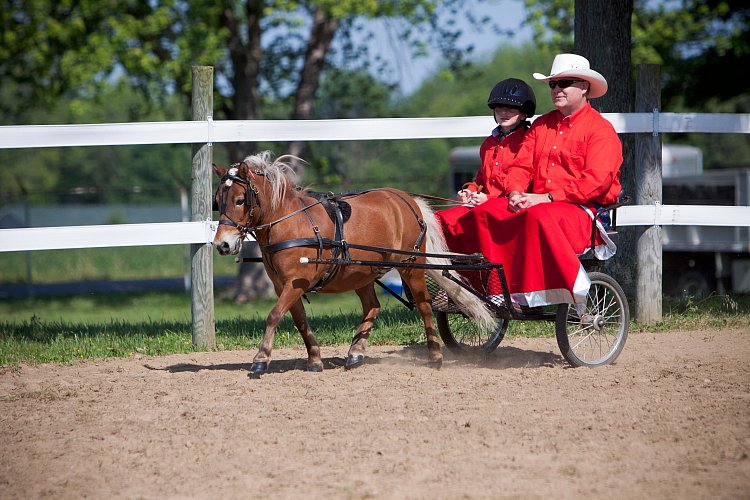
259	196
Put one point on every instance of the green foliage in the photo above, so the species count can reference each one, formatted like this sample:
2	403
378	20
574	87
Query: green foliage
552	22
699	45
51	49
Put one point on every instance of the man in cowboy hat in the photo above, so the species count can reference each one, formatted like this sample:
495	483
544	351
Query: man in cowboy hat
571	153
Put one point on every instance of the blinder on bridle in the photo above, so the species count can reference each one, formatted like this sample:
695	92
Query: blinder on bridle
251	198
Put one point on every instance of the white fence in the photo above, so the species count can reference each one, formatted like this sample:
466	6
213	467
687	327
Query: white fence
210	131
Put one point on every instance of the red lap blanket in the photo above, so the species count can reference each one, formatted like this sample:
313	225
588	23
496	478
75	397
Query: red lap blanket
538	247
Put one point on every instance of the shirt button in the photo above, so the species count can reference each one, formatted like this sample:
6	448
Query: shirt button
549	180
561	132
554	147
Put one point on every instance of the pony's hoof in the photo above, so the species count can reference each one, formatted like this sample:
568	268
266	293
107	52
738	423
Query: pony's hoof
436	364
354	361
258	368
317	367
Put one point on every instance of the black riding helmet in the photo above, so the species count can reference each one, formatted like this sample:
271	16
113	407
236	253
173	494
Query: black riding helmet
513	92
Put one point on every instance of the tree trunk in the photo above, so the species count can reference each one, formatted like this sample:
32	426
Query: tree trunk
602	35
321	35
252	280
246	57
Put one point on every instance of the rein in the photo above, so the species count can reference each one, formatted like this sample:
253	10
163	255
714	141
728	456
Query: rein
291	214
448	202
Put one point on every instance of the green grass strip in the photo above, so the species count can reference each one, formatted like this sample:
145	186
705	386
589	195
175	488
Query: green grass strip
62	330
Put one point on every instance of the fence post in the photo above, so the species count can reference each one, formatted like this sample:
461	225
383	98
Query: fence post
648	192
201	255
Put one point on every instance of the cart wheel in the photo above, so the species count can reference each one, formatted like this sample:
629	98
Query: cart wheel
462	336
597	337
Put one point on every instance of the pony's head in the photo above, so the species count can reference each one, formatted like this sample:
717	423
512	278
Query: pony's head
248	193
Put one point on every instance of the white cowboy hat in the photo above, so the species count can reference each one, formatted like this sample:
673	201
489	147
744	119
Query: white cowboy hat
575	66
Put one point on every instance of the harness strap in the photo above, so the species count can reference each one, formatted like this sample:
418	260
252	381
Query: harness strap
339	250
329	243
420	221
300	242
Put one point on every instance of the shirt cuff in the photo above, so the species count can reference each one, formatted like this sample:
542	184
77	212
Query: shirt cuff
558	195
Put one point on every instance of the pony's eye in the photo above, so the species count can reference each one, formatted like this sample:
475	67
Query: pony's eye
239	202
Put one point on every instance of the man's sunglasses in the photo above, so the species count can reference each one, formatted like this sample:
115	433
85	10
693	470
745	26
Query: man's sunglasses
563	84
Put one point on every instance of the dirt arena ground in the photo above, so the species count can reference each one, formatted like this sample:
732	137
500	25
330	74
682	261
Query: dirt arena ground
671	420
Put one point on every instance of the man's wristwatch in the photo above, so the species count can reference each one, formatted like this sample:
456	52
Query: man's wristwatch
549	195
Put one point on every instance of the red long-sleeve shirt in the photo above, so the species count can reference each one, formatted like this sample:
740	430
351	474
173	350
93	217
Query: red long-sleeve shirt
496	153
575	158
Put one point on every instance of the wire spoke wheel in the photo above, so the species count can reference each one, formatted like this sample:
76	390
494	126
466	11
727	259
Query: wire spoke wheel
462	336
597	336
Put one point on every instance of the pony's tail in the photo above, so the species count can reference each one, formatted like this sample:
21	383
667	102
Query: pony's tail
471	305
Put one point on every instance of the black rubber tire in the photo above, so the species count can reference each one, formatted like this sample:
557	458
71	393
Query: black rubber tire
462	336
599	337
693	284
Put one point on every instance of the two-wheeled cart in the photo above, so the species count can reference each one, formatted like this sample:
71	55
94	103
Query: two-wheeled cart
590	334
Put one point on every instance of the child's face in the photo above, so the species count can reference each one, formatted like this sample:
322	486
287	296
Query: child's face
508	117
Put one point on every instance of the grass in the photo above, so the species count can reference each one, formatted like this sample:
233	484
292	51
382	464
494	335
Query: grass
116	325
118	263
64	329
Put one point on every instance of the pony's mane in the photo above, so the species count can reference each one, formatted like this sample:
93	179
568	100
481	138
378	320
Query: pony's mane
279	173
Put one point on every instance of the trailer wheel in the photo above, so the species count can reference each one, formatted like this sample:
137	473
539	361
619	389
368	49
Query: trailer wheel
692	284
462	336
597	336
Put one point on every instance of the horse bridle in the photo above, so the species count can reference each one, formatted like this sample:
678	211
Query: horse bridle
251	199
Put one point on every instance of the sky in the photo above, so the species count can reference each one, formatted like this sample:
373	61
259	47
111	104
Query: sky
410	72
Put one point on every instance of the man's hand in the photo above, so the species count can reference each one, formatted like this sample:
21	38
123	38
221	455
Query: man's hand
518	201
478	198
515	201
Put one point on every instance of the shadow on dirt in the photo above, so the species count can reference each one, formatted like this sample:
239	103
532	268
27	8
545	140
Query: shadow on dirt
414	355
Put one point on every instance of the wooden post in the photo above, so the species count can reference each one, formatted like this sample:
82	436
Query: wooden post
201	255
648	192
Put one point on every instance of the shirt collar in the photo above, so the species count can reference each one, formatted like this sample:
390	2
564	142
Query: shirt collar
578	115
498	134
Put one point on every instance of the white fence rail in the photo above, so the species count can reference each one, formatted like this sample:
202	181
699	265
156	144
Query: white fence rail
178	233
210	131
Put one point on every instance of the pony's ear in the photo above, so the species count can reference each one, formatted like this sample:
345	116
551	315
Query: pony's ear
220	171
242	166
